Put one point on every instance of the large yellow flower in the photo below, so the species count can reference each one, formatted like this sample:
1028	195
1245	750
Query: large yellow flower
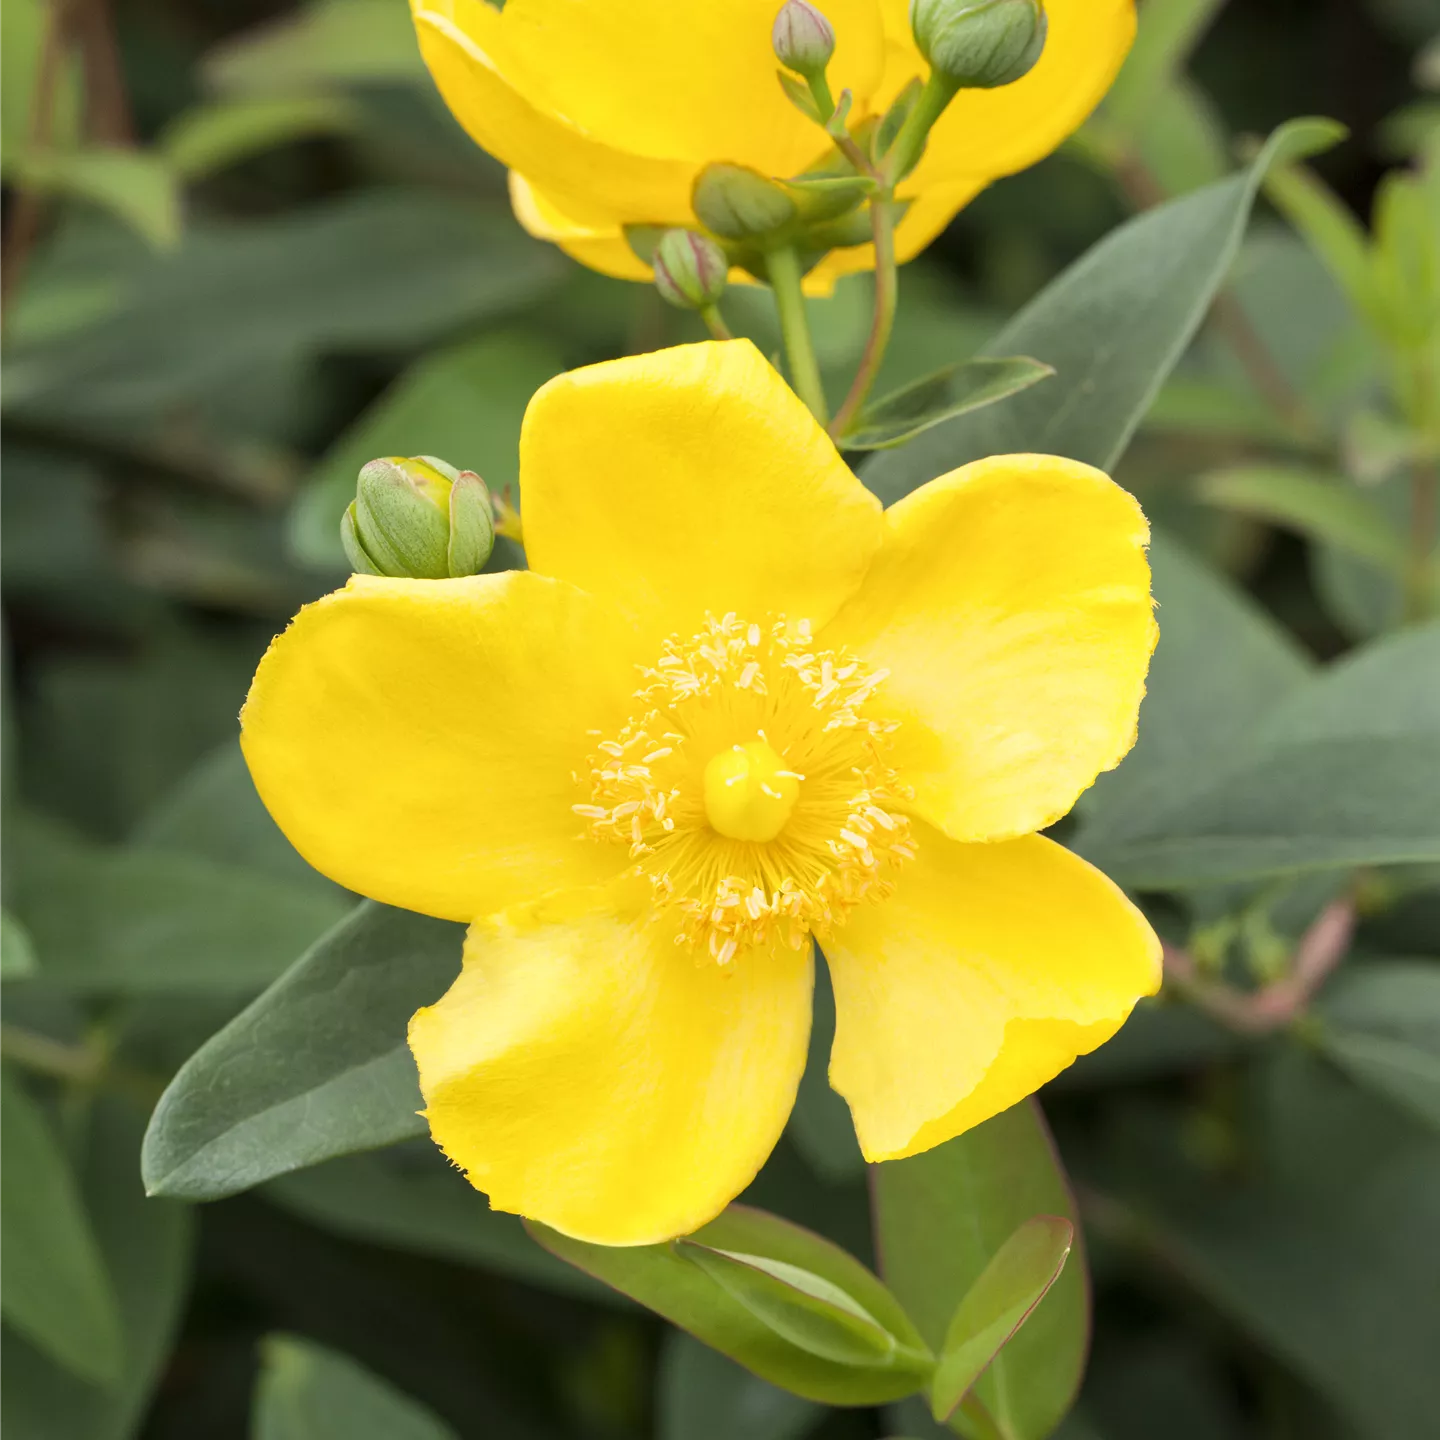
606	112
733	705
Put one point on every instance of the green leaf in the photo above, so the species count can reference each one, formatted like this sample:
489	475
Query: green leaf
1222	665
997	1305
208	138
380	269
956	390
1112	326
307	1392
942	1217
57	1291
316	1067
22	35
1380	1022
334	40
1319	505
146	1245
115	919
411	1198
704	1396
133	185
464	404
17	951
805	1308
1345	772
662	1278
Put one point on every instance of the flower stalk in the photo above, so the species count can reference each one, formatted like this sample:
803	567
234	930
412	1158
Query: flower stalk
782	266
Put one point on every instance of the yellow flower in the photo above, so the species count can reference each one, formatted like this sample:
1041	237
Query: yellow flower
606	113
732	705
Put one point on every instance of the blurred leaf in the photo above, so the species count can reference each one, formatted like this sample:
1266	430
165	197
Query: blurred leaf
17	951
378	269
1380	1022
133	185
1169	31
704	1396
1221	666
664	1279
118	919
1183	143
1322	506
1000	1301
1345	772
146	1245
1323	1252
57	1292
214	813
410	1197
316	1067
200	141
307	1392
1144	289
22	32
1191	405
325	42
463	404
956	390
942	1217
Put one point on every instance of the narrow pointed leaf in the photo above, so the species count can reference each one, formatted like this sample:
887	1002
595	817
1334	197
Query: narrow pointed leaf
674	1286
805	1308
997	1305
955	390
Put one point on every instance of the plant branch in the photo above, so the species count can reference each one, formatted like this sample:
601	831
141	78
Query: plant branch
887	293
782	265
1278	1005
1424	521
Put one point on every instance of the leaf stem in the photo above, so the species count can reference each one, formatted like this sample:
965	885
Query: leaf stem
887	293
715	323
1424	520
782	265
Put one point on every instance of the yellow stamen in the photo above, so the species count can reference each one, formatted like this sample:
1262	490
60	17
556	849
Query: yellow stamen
752	787
749	793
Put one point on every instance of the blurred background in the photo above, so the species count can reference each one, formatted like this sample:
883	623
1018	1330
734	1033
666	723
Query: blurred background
246	250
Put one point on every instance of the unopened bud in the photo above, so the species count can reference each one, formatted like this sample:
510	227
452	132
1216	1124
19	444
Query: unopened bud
979	44
803	38
690	270
737	203
418	518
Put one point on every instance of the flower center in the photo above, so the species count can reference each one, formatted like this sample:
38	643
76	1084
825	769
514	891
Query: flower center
751	786
749	793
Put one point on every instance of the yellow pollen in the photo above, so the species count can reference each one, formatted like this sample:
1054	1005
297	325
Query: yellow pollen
752	787
749	793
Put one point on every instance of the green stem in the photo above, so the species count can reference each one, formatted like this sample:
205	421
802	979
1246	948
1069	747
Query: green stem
782	265
715	323
887	294
910	142
820	89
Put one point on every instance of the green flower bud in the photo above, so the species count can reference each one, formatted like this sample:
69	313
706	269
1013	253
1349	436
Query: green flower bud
979	44
690	270
803	38
737	203
419	518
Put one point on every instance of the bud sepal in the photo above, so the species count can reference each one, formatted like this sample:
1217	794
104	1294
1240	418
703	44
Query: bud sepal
979	44
418	518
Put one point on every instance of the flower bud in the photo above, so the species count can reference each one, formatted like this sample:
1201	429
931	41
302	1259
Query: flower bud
803	38
737	203
690	270
979	44
418	518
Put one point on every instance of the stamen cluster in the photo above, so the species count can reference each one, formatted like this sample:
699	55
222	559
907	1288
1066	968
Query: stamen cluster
733	682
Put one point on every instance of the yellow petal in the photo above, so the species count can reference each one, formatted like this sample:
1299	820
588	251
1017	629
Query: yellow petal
690	480
988	133
415	739
462	42
987	972
601	245
1011	605
587	1073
